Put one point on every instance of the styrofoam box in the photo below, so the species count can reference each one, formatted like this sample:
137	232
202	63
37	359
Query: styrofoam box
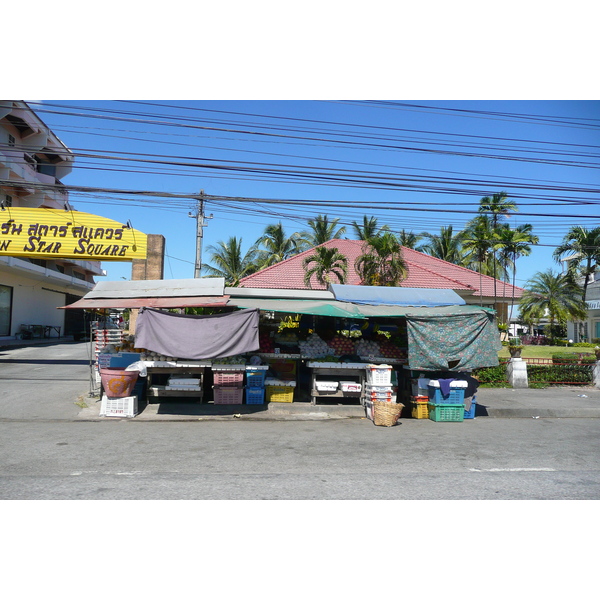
119	407
184	381
326	386
279	382
350	386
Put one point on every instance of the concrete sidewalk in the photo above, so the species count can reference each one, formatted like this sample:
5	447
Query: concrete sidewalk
557	402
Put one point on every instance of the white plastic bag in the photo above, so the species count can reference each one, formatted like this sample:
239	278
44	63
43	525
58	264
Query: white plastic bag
138	366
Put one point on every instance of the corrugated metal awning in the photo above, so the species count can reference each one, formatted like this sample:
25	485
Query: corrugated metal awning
168	302
395	296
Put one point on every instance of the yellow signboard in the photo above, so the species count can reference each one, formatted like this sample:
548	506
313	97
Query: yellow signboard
56	234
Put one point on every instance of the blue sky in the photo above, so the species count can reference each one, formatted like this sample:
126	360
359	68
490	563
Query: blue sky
415	165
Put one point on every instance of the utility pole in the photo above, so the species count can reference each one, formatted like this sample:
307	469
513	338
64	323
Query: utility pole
200	224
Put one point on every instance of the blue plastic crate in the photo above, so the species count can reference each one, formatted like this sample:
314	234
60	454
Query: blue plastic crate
255	395
255	378
456	395
470	414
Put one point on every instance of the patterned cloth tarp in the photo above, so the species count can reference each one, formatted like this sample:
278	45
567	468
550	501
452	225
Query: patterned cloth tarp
453	341
197	337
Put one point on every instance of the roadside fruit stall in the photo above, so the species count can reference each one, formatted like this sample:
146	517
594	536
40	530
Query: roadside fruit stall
363	346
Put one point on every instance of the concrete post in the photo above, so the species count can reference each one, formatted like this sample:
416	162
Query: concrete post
596	372
516	371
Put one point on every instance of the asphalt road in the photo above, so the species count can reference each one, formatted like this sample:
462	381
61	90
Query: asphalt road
46	454
337	459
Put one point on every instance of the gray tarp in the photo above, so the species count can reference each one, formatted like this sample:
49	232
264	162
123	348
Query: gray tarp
197	337
466	341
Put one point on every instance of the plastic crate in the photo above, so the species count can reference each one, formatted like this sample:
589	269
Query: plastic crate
456	395
228	378
255	395
446	412
470	414
371	388
255	378
419	410
228	395
379	374
280	393
419	399
119	407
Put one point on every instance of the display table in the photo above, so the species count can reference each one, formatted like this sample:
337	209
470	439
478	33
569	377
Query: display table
180	368
322	373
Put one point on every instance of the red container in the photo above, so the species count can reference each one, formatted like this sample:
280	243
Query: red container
118	383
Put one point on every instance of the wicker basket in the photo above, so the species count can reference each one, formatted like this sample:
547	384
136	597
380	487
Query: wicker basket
386	413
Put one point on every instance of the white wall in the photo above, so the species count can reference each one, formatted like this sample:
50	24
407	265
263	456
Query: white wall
32	304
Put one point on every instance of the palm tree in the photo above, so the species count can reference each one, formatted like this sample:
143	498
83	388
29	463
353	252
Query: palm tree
477	243
408	239
513	244
446	245
328	261
583	249
381	262
229	262
321	231
368	229
277	246
556	295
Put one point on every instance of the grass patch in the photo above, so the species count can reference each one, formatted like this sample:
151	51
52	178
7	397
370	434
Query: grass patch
544	351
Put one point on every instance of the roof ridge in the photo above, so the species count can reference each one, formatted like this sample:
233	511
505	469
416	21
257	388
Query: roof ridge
463	268
295	256
460	283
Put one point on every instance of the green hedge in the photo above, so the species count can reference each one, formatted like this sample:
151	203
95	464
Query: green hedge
492	376
582	357
560	374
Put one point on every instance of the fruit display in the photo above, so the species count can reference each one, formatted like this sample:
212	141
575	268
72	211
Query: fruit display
389	350
341	345
367	348
314	346
265	342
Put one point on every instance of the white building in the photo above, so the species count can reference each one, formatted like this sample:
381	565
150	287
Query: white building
32	289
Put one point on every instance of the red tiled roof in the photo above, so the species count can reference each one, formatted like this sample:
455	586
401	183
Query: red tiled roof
424	271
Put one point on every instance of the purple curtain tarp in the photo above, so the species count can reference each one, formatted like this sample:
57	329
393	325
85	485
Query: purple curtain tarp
197	337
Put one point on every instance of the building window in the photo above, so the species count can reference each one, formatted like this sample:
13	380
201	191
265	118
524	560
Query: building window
38	261
8	200
11	140
79	275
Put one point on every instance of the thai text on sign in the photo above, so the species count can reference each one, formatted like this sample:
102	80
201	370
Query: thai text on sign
55	234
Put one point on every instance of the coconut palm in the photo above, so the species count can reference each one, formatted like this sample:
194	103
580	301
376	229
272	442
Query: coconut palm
277	246
446	245
229	263
408	239
381	262
328	262
581	247
495	209
513	244
552	294
368	229
478	243
321	230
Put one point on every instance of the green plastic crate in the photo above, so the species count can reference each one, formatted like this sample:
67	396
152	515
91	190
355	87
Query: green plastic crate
446	412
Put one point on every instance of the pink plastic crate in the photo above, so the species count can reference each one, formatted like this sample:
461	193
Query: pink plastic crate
231	378
228	395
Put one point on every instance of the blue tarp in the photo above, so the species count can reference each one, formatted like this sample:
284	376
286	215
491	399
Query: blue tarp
395	296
